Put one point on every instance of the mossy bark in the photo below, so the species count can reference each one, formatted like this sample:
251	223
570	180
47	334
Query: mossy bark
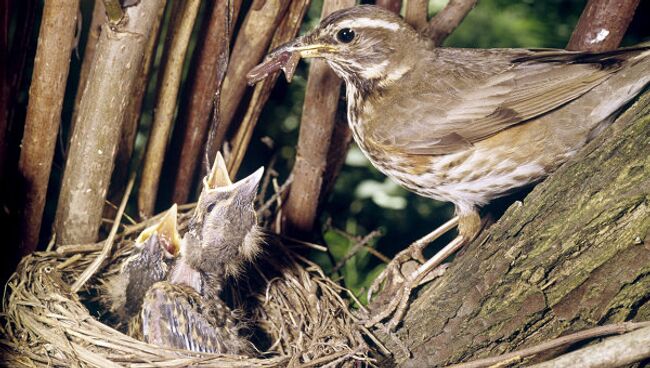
574	254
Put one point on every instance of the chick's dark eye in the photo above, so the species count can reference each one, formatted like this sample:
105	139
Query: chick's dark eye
210	207
345	35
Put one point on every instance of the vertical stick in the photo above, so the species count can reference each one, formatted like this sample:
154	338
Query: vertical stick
166	106
316	126
443	23
208	71
252	43
416	13
99	18
602	25
118	58
51	66
288	28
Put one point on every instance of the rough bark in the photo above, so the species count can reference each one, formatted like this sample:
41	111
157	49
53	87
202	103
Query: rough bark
575	254
51	66
92	148
316	127
207	76
287	30
132	119
98	18
172	70
416	13
252	43
443	23
602	25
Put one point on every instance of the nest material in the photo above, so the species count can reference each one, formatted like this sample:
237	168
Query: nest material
46	324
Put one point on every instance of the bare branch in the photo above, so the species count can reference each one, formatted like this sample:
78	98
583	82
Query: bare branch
600	331
177	41
416	13
287	30
51	66
602	25
208	72
443	23
616	351
316	127
118	57
252	43
99	18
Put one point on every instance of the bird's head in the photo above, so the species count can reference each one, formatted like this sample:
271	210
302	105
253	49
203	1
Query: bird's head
363	44
223	234
155	248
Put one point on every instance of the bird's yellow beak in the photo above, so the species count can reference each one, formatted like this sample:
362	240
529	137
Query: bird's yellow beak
167	230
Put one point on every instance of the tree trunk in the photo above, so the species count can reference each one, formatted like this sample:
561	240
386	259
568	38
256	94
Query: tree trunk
574	255
105	99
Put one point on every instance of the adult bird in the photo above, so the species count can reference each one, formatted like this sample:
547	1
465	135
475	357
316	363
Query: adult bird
154	251
186	311
461	125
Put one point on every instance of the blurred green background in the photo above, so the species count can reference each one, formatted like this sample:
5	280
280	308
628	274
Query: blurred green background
363	200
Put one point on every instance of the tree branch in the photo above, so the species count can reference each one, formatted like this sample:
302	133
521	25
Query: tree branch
602	25
448	19
51	66
615	351
316	127
207	77
111	80
393	5
166	102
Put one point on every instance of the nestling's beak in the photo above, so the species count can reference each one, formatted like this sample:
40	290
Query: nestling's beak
286	58
218	176
166	230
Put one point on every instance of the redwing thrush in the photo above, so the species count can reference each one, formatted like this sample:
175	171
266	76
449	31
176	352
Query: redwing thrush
154	251
463	125
186	311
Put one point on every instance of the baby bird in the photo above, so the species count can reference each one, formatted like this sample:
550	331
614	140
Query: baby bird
155	250
185	312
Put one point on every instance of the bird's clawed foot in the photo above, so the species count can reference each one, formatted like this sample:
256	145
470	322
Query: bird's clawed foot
400	276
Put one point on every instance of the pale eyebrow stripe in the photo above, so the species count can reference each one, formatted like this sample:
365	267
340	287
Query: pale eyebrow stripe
368	23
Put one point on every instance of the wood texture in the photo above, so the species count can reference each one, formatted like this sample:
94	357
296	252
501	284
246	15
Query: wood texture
250	47
446	20
92	149
176	48
206	79
316	127
575	254
602	25
416	13
51	67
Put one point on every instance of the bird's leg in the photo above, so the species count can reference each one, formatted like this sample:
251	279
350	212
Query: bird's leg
414	251
469	225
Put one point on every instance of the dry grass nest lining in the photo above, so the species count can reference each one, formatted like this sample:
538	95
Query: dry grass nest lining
45	324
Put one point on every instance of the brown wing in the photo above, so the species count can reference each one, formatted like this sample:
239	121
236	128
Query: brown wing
489	91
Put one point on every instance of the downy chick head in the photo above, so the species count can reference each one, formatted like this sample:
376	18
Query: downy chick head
155	248
223	234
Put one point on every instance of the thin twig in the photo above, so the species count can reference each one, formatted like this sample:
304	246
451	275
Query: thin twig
355	249
600	331
448	19
87	274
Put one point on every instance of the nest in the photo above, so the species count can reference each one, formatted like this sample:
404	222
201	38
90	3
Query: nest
300	310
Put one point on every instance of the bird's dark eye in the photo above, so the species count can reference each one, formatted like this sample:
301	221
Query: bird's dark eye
345	35
210	207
